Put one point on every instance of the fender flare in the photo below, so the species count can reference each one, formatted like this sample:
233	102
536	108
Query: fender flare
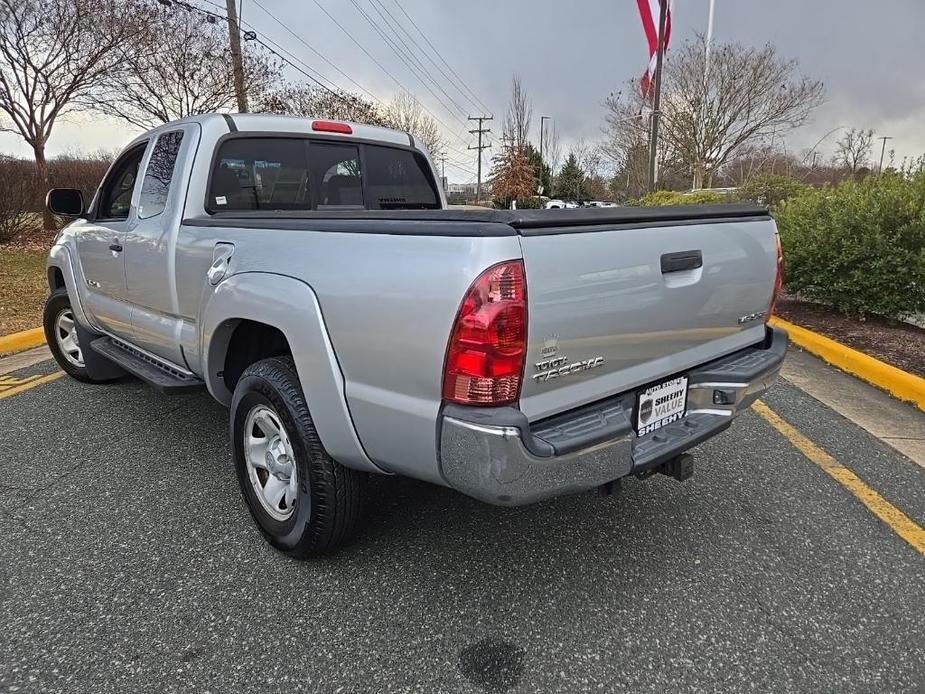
291	306
60	257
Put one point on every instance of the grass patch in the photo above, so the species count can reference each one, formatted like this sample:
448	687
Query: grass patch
23	288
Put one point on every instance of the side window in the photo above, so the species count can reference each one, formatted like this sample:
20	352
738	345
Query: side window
260	173
156	184
399	179
335	174
116	194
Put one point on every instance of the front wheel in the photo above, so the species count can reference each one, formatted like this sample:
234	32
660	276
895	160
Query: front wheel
61	335
303	501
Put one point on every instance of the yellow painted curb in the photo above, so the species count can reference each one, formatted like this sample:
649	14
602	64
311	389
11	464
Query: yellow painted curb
896	382
17	342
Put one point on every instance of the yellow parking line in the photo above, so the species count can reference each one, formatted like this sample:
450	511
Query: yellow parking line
901	524
7	391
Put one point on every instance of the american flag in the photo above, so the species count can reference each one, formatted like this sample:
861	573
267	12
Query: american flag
649	12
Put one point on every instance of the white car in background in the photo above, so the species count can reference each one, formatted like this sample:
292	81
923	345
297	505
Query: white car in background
561	205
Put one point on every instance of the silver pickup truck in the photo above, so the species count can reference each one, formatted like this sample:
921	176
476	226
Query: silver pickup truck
309	275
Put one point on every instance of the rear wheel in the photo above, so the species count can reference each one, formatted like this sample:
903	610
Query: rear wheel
61	335
303	501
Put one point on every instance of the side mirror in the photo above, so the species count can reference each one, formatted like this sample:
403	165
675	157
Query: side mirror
68	202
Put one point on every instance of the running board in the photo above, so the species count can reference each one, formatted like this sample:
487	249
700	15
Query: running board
149	370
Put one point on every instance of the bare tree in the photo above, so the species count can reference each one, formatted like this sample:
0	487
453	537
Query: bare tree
405	112
552	148
516	126
180	65
853	149
748	96
316	102
53	53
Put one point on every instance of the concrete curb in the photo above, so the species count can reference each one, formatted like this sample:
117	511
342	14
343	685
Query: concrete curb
18	342
898	383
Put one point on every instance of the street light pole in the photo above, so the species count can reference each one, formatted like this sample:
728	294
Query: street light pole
543	120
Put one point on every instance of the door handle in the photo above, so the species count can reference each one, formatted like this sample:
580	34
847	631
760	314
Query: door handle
115	247
682	260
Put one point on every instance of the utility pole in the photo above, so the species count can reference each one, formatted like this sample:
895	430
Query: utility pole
543	120
660	51
234	34
883	151
443	170
479	131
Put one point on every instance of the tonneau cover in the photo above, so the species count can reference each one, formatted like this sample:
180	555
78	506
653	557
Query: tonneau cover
525	222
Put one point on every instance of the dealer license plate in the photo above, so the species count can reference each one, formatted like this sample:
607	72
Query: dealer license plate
660	405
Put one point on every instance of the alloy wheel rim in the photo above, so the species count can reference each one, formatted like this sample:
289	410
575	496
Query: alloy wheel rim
271	465
66	337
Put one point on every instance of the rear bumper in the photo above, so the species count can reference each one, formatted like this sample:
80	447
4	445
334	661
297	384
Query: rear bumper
496	455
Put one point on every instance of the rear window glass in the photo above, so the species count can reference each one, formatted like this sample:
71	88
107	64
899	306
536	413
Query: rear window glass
336	175
398	179
282	173
260	174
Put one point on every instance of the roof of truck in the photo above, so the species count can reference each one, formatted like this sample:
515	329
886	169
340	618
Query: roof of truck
273	123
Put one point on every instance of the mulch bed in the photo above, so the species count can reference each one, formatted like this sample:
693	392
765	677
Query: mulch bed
894	342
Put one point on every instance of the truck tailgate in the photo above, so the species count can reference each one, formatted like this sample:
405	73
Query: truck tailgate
613	307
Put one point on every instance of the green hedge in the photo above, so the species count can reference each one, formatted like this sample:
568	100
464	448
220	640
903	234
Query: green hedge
771	189
859	246
670	197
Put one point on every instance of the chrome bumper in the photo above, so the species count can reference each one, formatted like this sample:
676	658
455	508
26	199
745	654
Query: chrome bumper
496	456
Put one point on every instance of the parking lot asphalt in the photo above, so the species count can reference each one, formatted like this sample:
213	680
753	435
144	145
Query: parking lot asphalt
129	563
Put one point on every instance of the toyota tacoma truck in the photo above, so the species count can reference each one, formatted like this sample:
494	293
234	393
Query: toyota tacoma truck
308	274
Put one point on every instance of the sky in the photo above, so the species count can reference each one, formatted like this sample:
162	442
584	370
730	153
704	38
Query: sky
571	55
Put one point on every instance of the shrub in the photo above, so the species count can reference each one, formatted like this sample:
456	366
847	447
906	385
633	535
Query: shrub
859	246
671	197
22	195
771	189
18	183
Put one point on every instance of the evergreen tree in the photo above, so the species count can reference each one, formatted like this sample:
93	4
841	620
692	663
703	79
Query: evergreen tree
570	181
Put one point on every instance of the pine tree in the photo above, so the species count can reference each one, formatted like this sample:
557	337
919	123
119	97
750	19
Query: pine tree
570	179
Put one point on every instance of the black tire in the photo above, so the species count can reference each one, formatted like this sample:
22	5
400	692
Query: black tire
328	508
57	303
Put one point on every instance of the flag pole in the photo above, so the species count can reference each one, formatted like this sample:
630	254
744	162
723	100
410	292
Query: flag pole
706	58
653	139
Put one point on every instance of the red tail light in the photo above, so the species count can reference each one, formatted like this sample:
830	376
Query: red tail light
488	343
779	277
331	126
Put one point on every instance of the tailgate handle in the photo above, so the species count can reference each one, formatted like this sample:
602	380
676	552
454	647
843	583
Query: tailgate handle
681	260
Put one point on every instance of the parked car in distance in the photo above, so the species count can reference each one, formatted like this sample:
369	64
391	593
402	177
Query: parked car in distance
561	205
308	275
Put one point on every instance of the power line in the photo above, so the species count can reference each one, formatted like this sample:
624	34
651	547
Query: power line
325	59
395	27
316	52
275	49
380	66
442	59
401	56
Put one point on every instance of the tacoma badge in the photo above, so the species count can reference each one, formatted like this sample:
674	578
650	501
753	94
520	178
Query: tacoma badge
554	368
